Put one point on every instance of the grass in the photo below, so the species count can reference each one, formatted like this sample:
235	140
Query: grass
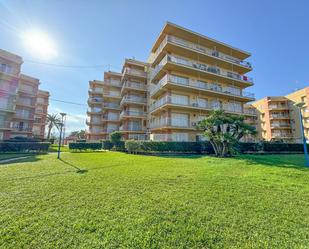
54	148
115	200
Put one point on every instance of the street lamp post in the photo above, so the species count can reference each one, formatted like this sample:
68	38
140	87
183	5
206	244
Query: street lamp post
60	136
300	105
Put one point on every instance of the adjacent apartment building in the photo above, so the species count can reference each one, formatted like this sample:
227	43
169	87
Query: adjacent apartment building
18	99
186	76
279	119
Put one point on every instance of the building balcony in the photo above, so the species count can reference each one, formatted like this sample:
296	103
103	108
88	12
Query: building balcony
127	99
280	126
9	107
133	114
132	128
194	68
95	101
24	116
111	95
30	104
107	118
5	125
185	84
170	102
94	111
175	45
173	123
112	82
95	91
90	122
134	72
279	116
278	107
18	128
7	90
133	86
111	106
282	135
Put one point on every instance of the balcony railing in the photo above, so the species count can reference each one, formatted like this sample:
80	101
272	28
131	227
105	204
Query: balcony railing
95	100
110	118
136	72
93	110
136	85
112	82
111	105
137	137
133	113
201	49
201	85
280	125
21	128
7	107
173	122
96	90
203	105
134	99
278	107
111	94
132	128
281	135
5	125
279	116
200	66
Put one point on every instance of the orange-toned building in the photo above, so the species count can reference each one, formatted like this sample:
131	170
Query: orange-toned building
40	114
18	98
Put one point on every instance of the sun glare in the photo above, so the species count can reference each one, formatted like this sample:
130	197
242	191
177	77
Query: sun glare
39	44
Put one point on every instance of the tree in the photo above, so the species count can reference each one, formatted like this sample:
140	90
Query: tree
115	137
53	120
224	131
79	134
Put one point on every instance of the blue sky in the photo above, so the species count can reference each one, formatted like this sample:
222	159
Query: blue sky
91	33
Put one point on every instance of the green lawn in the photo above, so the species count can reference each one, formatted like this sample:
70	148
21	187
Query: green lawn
115	200
54	148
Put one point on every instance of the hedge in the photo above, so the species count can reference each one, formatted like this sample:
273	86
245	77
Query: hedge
205	147
157	146
24	146
108	145
85	146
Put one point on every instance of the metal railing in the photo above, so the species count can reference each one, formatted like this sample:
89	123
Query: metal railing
204	105
133	113
201	85
137	72
200	66
134	99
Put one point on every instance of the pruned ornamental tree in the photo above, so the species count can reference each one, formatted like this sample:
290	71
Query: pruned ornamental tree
224	131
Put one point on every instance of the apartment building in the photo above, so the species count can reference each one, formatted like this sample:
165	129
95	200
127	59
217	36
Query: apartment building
104	106
279	119
40	114
190	75
134	100
18	96
276	118
186	76
23	118
300	96
10	65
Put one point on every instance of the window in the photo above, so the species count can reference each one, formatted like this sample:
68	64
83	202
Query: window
179	80
180	137
6	68
180	99
180	119
202	102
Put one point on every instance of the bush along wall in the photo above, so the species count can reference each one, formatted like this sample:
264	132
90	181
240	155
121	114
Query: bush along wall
205	147
163	147
85	146
10	146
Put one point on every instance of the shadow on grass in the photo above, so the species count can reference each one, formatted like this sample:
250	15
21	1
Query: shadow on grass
78	170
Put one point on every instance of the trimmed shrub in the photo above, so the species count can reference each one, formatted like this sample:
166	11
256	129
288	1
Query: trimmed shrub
119	146
85	146
270	147
24	146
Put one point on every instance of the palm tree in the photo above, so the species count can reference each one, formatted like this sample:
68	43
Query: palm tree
53	120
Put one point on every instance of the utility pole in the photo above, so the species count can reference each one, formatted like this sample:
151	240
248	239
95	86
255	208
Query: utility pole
299	106
60	135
